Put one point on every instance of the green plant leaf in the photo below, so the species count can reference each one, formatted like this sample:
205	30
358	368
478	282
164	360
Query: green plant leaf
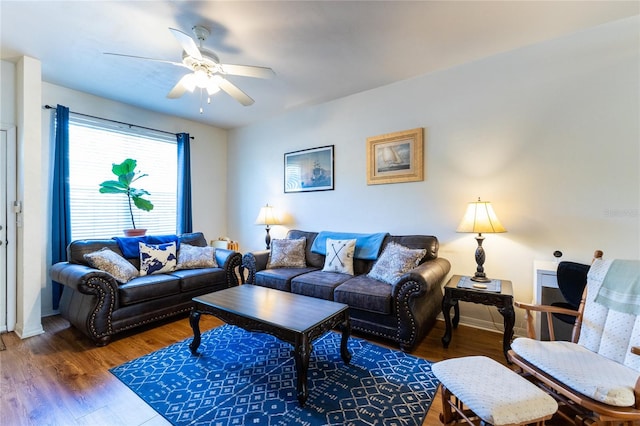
127	166
126	174
142	204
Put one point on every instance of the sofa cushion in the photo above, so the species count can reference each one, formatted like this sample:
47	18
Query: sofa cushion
395	261
192	257
318	284
279	278
585	371
363	292
112	263
157	258
194	279
148	287
287	253
339	256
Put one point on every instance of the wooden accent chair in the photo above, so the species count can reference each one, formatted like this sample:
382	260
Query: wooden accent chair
596	377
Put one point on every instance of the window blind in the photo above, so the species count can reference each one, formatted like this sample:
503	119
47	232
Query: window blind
94	146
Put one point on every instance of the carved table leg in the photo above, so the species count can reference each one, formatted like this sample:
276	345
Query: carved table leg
194	320
344	349
456	314
447	303
301	354
509	320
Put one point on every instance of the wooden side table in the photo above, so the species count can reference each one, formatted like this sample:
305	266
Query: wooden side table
503	301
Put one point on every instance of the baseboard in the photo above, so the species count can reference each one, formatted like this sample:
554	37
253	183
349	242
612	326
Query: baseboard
24	334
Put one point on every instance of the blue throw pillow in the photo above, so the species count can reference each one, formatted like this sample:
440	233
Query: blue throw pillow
157	258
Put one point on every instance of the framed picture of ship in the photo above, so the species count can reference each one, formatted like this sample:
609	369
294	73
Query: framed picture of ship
309	170
395	157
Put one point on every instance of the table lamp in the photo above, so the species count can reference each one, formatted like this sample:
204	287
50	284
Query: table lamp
267	217
480	218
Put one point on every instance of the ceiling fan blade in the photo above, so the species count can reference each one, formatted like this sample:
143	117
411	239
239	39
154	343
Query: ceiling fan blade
235	93
187	43
248	71
185	84
180	64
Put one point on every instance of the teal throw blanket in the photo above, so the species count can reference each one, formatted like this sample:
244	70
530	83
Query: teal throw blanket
367	245
620	288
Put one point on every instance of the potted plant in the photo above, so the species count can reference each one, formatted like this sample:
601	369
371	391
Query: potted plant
127	175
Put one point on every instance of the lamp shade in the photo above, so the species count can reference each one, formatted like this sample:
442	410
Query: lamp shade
267	216
480	218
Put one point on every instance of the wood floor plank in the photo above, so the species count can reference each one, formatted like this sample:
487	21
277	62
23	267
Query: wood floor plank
62	378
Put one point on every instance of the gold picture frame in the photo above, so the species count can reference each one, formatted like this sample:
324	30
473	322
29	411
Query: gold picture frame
395	157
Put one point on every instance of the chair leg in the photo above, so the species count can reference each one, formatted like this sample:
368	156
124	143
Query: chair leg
447	415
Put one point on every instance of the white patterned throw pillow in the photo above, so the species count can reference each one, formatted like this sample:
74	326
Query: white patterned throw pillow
193	257
287	253
157	258
112	263
339	256
395	261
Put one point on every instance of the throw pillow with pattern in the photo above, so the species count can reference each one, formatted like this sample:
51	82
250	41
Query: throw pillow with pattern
157	258
112	263
395	261
339	256
287	253
193	257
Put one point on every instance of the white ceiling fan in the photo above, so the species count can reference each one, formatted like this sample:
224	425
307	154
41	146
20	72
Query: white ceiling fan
207	73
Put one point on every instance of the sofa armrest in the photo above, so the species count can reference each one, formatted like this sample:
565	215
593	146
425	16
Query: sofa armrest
84	279
88	300
418	298
230	261
253	262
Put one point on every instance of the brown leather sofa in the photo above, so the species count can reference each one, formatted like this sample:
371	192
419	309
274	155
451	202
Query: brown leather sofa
403	312
99	306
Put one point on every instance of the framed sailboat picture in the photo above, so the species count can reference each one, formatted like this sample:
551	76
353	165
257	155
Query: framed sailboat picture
309	170
395	157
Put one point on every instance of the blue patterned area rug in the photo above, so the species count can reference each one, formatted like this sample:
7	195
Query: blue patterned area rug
243	378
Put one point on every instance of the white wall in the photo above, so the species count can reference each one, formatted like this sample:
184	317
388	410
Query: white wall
549	134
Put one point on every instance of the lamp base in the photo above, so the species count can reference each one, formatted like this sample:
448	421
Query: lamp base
267	239
480	279
480	276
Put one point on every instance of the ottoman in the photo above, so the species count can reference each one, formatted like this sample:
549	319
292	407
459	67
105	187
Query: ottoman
492	393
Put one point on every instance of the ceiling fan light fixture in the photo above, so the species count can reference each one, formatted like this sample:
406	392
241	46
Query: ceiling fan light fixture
189	82
201	78
213	86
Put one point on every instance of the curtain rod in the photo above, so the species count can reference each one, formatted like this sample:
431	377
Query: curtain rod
118	122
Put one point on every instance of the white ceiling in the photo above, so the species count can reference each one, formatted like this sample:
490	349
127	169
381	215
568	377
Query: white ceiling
320	50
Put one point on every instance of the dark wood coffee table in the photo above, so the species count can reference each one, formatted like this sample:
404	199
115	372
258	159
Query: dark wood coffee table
292	318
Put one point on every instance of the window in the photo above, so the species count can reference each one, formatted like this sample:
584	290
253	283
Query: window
94	145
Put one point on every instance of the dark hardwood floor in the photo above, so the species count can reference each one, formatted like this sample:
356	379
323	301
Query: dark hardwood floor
61	378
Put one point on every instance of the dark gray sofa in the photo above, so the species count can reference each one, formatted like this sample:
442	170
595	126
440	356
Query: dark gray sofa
403	312
99	306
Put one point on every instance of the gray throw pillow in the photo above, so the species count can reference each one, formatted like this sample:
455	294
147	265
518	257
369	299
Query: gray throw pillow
193	257
287	253
395	261
112	263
